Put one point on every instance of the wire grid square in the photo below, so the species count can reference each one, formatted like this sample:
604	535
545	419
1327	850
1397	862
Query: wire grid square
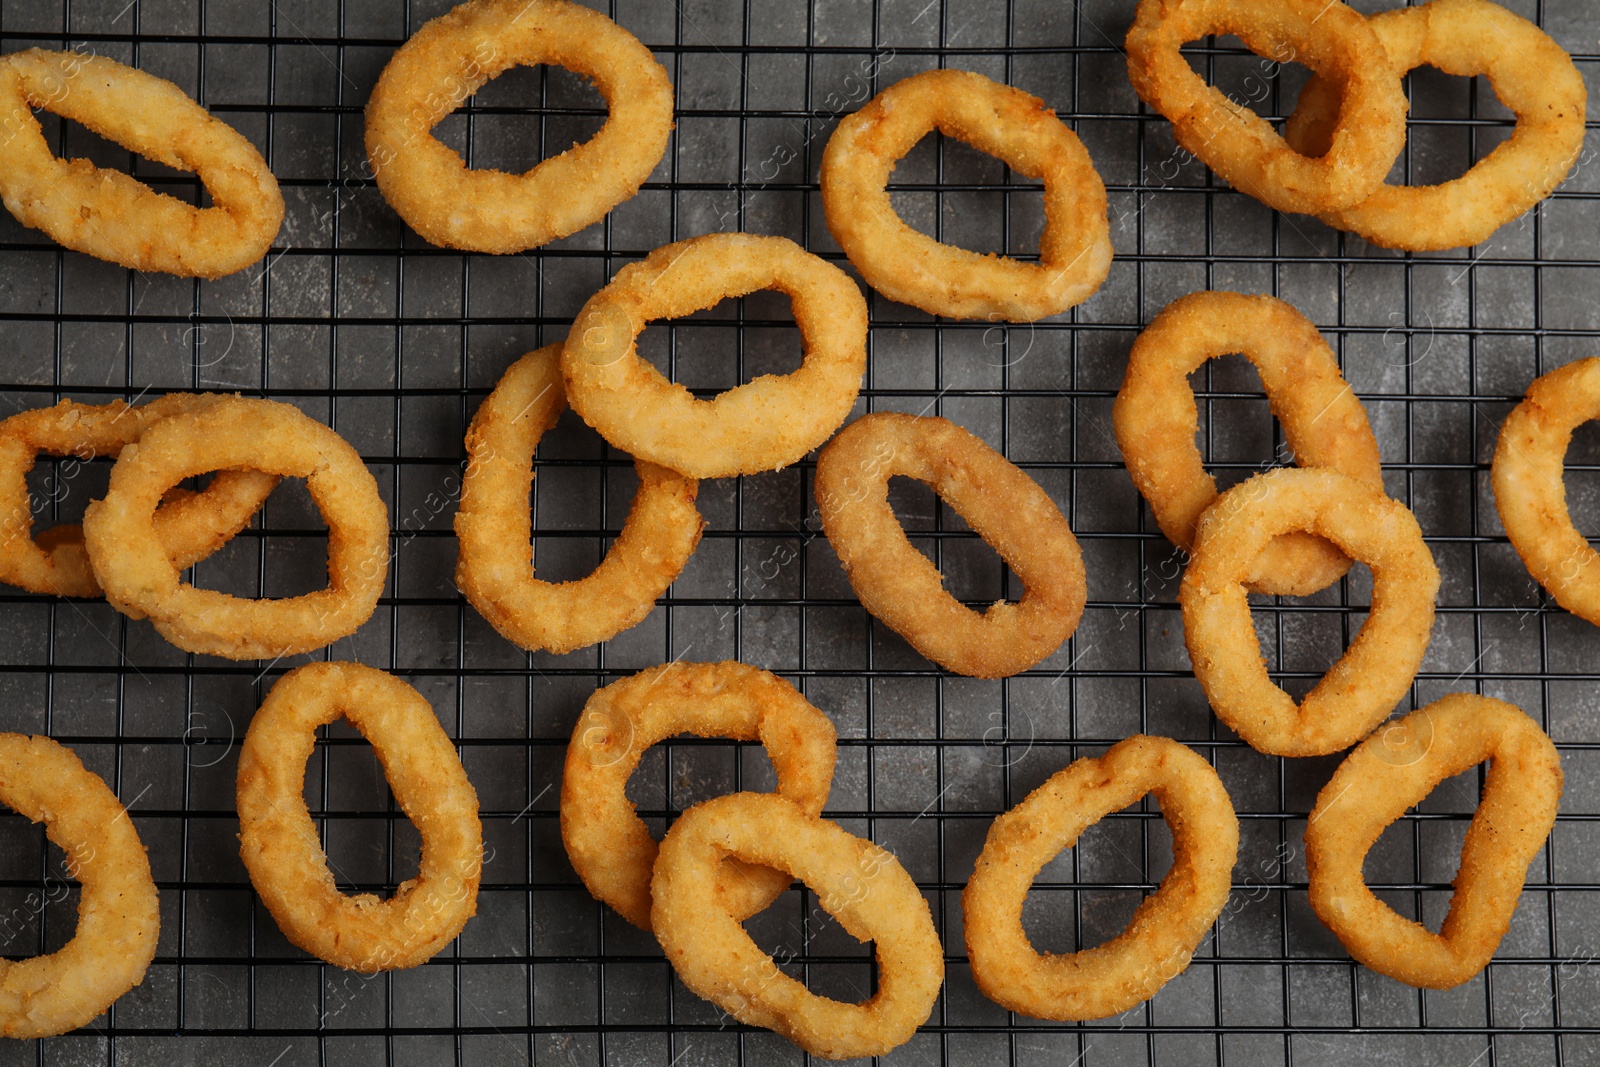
394	343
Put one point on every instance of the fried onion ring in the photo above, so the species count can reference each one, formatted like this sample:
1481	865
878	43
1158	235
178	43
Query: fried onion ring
140	580
1164	932
1531	496
189	526
902	587
1022	131
1363	687
767	423
1332	39
494	526
118	914
111	215
857	882
1529	73
278	841
453	56
609	845
1396	768
1156	421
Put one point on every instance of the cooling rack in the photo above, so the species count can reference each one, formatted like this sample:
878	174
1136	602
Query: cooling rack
394	343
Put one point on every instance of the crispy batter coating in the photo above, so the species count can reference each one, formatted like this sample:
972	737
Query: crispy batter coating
1156	421
609	845
484	210
1397	767
1362	688
494	525
1531	496
902	587
1242	147
1022	131
234	432
278	841
118	915
767	423
1529	73
112	215
857	882
189	526
1169	924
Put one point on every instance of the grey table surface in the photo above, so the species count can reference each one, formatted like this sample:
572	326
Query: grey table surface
393	342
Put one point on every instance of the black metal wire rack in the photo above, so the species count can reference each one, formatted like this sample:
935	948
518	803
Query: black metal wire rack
394	342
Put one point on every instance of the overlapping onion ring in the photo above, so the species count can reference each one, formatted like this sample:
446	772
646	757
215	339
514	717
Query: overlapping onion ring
118	914
494	525
1394	769
1529	73
857	882
112	215
1362	688
1156	421
609	845
139	579
189	526
767	423
1022	131
902	587
1243	148
449	59
1164	932
278	841
1531	496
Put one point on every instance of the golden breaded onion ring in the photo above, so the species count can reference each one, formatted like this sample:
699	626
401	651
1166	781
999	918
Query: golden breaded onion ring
190	526
1243	148
1156	421
494	525
1397	767
1530	494
1163	933
119	917
278	841
609	845
766	423
857	882
111	215
902	587
1362	688
234	432
485	210
1022	131
1529	73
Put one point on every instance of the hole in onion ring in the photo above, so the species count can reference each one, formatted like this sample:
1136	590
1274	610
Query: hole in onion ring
357	845
70	139
969	567
1237	434
1438	152
1300	639
702	352
848	975
1266	86
566	498
1423	852
1450	116
1069	911
521	115
1580	475
963	197
672	778
288	560
35	921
